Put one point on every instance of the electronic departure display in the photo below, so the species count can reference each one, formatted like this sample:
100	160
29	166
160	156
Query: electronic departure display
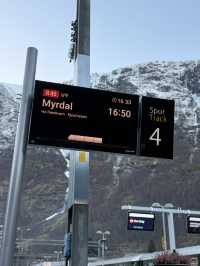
193	224
141	221
157	127
83	118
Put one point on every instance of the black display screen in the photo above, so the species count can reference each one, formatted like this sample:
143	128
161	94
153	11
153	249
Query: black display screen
193	224
141	221
157	127
82	118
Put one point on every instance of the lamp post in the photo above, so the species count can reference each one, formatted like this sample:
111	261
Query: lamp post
167	205
21	231
58	254
103	239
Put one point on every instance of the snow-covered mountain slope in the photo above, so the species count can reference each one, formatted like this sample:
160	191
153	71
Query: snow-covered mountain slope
12	89
9	107
167	80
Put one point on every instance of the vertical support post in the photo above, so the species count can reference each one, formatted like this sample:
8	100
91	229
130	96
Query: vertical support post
164	231
82	61
19	156
79	251
172	242
79	160
103	247
99	248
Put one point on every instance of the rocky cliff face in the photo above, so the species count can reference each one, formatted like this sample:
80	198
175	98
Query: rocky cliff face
116	180
142	181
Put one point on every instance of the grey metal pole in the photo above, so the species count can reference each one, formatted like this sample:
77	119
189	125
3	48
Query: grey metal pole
103	249
79	253
82	63
99	248
19	156
79	160
172	241
164	231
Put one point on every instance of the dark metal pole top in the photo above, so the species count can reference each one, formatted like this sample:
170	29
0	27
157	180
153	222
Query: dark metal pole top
83	15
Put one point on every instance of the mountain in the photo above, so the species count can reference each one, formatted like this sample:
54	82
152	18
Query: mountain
8	115
141	180
115	180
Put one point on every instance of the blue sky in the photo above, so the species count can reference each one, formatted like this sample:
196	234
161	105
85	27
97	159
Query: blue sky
123	32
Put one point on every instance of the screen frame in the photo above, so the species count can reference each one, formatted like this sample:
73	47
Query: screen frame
141	214
188	221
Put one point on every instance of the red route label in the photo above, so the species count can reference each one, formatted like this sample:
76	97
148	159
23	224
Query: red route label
51	93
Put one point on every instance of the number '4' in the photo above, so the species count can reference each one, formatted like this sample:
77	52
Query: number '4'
156	136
